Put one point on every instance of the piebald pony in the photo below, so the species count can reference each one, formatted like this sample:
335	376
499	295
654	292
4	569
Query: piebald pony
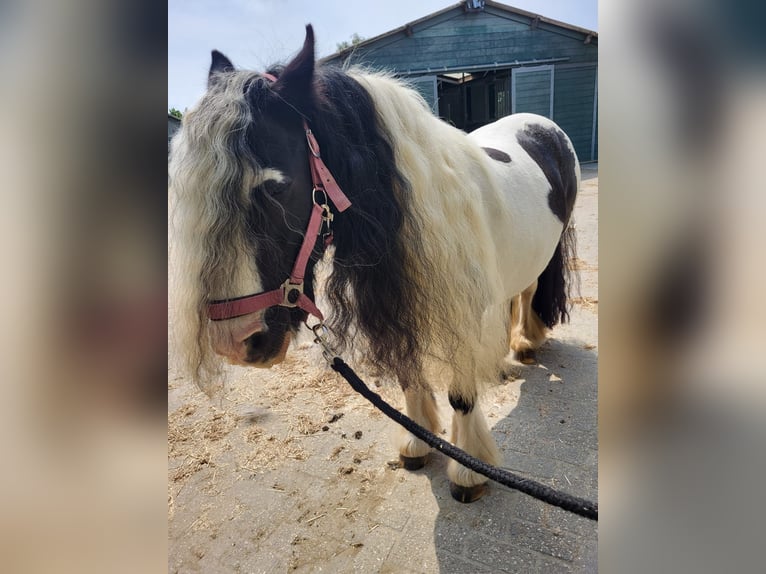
454	245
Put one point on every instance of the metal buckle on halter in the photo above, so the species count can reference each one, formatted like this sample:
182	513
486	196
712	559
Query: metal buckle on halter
313	144
291	293
327	214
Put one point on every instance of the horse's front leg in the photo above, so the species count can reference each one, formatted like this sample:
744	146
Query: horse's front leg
420	407
470	433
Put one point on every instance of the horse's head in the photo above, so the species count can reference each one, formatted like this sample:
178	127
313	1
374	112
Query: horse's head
243	193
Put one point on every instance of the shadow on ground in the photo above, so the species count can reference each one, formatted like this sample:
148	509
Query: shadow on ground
551	436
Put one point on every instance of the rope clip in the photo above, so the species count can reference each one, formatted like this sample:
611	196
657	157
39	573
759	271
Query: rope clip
321	333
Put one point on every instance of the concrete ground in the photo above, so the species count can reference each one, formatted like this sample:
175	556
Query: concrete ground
293	472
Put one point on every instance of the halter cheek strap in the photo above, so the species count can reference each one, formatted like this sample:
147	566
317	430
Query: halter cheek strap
290	293
321	176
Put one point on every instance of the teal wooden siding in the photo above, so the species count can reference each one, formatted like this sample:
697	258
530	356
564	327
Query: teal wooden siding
458	39
532	90
488	46
426	86
575	89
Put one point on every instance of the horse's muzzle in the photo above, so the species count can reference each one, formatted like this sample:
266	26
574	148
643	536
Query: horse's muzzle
228	337
247	341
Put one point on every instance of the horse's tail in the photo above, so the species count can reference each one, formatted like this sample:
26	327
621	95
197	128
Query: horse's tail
557	282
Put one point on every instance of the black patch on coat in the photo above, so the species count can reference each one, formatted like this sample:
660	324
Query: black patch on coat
547	146
459	403
497	155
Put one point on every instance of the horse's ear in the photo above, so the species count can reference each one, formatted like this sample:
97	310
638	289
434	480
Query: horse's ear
296	82
218	65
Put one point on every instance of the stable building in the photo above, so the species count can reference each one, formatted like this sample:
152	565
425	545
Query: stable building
477	61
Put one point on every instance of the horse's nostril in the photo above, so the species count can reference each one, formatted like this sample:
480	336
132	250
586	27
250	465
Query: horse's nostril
267	349
255	340
229	337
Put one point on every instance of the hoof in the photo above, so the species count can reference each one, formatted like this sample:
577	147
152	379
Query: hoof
467	493
412	462
528	357
510	373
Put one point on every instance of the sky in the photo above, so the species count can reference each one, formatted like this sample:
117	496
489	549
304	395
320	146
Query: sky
257	33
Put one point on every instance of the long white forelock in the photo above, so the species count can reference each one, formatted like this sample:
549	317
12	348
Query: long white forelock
209	252
448	195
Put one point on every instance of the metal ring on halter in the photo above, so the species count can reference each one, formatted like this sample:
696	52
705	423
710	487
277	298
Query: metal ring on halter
314	196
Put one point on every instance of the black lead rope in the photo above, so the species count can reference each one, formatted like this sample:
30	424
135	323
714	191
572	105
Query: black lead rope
534	489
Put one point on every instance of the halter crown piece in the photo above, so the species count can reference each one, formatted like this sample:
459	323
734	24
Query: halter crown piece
290	293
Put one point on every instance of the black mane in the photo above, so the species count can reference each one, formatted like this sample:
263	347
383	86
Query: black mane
369	284
369	287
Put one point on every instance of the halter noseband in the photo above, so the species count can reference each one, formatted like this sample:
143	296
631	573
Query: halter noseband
290	293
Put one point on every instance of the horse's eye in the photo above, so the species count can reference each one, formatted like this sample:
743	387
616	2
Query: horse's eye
274	187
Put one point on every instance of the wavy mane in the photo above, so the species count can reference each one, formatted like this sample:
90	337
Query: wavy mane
208	172
414	288
403	278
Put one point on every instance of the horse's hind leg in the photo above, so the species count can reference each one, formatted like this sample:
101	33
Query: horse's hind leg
526	331
420	407
470	433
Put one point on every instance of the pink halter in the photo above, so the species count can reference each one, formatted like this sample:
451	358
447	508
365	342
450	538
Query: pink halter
290	293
